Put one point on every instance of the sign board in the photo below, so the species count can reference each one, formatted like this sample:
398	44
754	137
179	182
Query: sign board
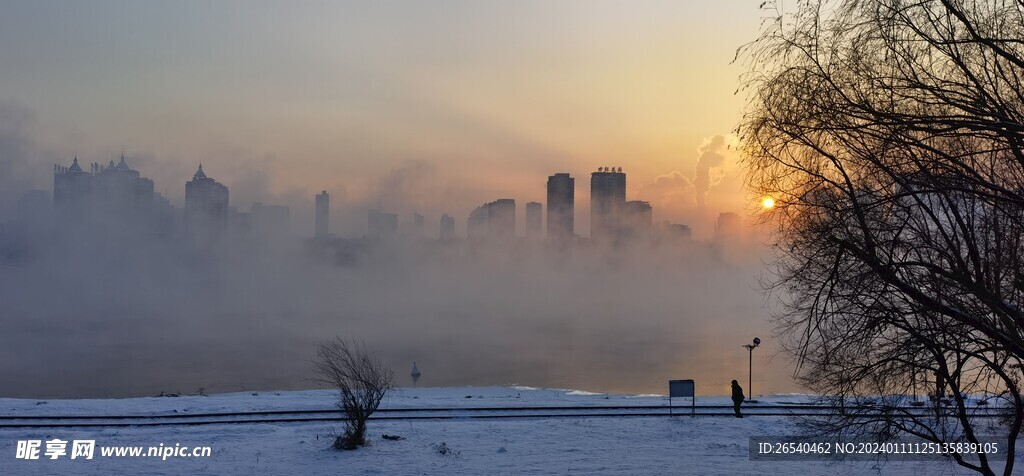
682	389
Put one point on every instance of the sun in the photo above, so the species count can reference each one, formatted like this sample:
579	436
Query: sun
767	203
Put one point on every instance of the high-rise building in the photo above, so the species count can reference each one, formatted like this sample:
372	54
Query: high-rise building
323	215
496	219
607	201
561	205
206	207
728	224
114	191
501	218
239	223
447	227
72	190
122	190
382	225
534	219
476	224
638	217
676	231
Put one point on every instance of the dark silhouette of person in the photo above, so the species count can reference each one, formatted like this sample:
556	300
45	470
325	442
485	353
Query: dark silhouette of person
737	398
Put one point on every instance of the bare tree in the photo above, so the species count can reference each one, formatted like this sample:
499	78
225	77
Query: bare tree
891	135
362	382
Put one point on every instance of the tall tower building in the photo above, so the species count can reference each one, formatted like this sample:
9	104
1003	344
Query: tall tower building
607	202
323	215
561	206
501	218
381	225
206	207
476	224
114	189
114	194
121	190
496	219
72	190
638	218
728	225
534	219
447	227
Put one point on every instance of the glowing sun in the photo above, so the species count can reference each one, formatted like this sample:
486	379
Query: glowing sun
767	203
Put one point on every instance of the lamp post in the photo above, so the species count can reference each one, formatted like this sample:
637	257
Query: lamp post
750	367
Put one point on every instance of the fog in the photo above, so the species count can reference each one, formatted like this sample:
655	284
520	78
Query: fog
104	307
119	317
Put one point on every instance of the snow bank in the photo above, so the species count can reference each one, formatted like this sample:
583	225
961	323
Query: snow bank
635	445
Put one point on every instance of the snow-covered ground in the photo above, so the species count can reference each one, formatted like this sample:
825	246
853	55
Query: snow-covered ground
597	445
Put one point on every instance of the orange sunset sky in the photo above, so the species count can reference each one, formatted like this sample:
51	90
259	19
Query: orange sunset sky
433	107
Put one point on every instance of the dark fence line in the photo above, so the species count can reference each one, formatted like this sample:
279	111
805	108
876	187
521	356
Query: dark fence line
459	417
681	408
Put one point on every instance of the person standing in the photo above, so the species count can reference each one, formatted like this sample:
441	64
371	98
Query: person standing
737	398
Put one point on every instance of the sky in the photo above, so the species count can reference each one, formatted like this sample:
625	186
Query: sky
430	107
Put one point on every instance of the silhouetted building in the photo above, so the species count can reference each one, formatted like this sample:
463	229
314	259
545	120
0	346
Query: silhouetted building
501	220
607	200
674	231
206	207
638	217
323	215
534	219
447	227
270	221
239	223
728	224
496	219
114	191
561	205
476	224
121	190
72	190
382	225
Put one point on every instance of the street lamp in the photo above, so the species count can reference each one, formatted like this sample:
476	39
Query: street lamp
750	367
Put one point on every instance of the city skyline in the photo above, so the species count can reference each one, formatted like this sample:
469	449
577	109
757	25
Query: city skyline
219	264
207	205
286	102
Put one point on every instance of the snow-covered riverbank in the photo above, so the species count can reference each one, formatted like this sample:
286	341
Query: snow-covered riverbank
600	445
